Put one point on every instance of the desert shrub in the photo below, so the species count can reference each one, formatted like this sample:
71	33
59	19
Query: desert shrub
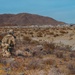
34	42
31	32
72	54
70	38
39	34
64	47
35	64
71	34
51	33
59	54
63	31
15	65
49	62
27	38
55	35
37	51
67	47
27	49
71	68
49	47
37	54
3	61
55	71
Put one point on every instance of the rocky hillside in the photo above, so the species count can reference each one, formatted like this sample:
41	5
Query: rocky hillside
26	19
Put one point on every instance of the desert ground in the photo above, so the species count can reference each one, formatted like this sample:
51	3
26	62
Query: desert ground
40	51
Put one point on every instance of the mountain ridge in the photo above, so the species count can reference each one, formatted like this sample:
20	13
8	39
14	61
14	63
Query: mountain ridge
24	19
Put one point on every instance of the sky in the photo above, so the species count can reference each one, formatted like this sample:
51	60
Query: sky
61	10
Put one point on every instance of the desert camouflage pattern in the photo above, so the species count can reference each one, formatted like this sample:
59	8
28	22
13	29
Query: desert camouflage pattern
7	41
5	48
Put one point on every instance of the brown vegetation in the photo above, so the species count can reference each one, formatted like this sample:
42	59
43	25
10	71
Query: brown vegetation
38	55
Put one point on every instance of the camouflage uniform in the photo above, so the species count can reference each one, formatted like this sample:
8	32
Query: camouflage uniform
8	43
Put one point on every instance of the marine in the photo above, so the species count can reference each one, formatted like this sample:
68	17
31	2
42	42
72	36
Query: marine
8	43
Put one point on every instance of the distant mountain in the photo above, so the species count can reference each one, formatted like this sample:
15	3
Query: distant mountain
23	19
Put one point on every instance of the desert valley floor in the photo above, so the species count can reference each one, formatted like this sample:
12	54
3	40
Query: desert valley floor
40	51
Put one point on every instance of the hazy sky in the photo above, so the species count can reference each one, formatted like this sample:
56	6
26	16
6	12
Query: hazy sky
62	10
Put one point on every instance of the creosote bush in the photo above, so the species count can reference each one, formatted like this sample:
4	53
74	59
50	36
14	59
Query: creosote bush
72	54
39	34
27	38
49	62
59	54
49	47
35	64
71	68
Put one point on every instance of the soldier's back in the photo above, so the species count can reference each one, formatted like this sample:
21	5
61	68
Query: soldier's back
8	38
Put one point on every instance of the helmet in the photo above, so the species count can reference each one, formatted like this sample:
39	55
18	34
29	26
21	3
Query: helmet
11	31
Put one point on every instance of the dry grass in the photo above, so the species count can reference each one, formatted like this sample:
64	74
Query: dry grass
47	57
